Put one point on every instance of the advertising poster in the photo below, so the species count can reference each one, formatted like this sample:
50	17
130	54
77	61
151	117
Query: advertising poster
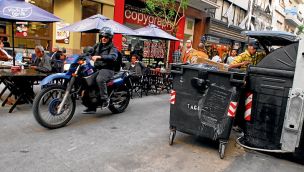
62	36
22	29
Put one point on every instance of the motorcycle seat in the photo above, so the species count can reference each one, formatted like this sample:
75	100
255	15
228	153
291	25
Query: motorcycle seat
118	75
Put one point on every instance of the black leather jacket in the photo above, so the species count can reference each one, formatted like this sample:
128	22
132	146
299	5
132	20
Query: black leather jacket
108	55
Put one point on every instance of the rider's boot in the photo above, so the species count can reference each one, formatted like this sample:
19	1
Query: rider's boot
105	103
89	110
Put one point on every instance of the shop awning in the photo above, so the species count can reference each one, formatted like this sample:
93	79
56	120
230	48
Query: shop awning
19	10
220	29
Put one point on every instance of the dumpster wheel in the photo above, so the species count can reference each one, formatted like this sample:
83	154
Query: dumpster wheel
222	148
258	149
172	136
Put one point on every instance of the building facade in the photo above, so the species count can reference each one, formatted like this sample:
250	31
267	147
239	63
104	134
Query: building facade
287	15
223	30
132	14
262	13
71	11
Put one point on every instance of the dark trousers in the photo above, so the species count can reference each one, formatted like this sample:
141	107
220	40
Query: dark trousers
104	75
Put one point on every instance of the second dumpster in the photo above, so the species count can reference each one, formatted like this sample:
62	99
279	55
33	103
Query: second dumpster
204	101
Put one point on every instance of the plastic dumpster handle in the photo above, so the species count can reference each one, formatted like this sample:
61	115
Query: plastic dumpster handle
177	71
239	80
200	84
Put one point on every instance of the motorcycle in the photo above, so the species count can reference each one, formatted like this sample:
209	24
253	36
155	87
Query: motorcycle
54	106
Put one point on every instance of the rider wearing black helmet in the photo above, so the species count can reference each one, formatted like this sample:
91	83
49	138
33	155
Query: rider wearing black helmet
104	57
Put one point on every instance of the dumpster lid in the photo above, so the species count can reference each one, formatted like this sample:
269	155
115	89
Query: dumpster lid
270	38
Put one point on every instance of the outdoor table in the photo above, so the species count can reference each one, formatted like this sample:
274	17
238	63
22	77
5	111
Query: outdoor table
20	84
4	67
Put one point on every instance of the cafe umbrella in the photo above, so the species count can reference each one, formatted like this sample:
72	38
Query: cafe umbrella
19	10
96	22
153	32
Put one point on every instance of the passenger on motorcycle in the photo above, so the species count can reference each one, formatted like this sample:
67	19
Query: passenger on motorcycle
104	57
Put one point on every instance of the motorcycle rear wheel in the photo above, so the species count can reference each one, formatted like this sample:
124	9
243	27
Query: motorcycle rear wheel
120	99
46	104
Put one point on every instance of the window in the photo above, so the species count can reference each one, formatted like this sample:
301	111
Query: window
281	2
226	6
190	24
279	25
290	2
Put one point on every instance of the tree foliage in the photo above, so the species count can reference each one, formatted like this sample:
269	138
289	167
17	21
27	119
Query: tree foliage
169	10
300	29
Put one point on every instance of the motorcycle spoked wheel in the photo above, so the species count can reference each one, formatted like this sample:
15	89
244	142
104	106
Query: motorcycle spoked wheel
46	104
120	99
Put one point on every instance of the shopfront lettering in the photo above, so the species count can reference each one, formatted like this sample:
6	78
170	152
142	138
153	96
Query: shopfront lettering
136	16
17	12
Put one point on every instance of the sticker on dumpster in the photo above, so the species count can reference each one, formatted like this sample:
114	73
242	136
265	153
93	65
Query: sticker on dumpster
248	106
232	109
172	99
212	109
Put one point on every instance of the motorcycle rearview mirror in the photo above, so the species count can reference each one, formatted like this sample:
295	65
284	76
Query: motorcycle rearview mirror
88	50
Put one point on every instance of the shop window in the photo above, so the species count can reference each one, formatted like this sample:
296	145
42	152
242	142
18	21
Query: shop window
89	8
279	25
190	24
44	4
151	52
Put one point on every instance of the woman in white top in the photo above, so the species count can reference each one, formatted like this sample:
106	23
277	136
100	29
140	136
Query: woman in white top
4	56
232	56
216	58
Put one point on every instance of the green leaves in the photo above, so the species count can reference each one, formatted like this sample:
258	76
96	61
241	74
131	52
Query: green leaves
170	10
300	29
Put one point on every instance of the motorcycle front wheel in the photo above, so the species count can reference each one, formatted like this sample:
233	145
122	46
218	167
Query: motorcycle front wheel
46	104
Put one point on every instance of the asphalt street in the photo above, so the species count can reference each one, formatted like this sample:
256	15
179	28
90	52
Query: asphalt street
136	140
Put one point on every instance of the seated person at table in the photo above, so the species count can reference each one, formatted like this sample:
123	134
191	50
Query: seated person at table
42	61
4	56
135	66
57	62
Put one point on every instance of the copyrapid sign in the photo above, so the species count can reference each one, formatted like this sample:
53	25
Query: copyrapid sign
135	15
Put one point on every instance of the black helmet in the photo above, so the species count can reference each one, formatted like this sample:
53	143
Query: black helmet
106	31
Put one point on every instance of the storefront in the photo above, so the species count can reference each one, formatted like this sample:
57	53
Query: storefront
221	39
29	34
151	51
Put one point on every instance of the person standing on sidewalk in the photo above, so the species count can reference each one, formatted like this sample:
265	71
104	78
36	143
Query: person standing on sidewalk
188	53
178	53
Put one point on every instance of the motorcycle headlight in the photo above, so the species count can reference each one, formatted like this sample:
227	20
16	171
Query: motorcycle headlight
66	67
